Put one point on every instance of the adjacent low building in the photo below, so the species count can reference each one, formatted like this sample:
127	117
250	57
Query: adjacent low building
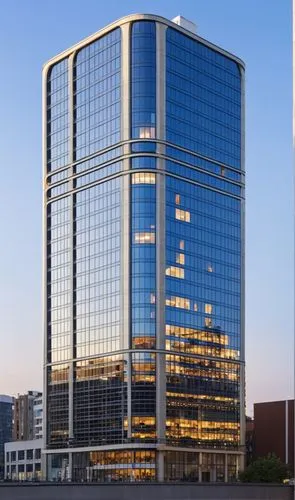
23	460
23	416
274	430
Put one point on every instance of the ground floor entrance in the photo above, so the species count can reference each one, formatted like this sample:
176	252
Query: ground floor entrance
144	465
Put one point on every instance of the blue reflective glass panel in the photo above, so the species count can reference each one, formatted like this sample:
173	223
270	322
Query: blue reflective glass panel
58	115
97	95
143	80
203	99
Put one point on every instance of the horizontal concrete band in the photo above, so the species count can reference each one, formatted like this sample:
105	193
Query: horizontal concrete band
127	491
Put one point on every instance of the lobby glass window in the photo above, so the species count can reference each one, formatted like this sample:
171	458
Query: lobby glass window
121	465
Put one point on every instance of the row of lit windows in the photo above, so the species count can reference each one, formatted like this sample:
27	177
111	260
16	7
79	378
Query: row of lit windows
184	346
201	424
202	367
190	434
182	215
143	178
121	457
193	362
175	272
178	302
145	238
191	333
211	397
183	302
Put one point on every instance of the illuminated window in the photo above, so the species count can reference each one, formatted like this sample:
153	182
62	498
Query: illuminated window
182	215
143	421
208	322
222	171
153	298
210	268
180	258
195	306
179	302
177	199
208	308
204	336
147	133
181	244
175	272
144	178
143	343
144	238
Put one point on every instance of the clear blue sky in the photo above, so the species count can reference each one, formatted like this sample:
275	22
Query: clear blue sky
31	32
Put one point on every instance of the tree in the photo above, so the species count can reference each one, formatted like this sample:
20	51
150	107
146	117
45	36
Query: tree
269	469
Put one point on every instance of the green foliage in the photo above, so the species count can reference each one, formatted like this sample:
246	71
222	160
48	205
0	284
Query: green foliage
269	469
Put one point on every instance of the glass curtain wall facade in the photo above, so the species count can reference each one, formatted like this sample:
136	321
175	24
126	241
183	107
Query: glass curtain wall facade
144	257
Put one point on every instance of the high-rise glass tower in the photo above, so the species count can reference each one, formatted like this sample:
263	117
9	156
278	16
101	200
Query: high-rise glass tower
144	256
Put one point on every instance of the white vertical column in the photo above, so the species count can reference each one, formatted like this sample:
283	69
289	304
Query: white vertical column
125	211
242	352
293	57
239	459
160	247
44	270
125	87
213	472
225	468
200	466
71	159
